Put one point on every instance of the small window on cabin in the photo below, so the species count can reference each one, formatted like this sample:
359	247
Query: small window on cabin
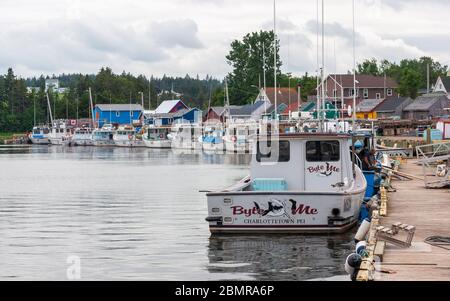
284	152
378	96
389	92
322	151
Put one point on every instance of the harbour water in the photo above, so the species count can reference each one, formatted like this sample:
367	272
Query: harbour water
137	214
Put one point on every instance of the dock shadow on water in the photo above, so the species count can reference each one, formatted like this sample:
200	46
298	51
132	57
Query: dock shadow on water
137	214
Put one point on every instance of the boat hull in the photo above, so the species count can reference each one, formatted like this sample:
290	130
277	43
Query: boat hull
214	147
40	141
105	143
284	212
82	142
129	143
158	143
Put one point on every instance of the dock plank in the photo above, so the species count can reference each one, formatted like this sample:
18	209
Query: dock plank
429	211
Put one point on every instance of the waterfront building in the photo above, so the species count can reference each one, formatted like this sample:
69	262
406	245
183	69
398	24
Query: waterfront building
118	114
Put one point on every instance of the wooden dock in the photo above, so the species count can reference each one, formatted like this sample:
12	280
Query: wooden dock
429	211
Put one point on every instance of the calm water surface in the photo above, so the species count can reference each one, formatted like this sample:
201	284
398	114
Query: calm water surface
138	215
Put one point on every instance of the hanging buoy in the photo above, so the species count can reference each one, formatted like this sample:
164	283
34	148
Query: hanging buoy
352	263
362	231
361	247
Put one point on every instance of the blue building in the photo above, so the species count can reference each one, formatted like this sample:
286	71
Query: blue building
182	116
120	114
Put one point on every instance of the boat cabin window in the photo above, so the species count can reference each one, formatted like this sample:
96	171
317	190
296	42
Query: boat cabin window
266	153
322	151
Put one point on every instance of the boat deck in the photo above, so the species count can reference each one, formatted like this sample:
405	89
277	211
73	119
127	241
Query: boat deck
429	211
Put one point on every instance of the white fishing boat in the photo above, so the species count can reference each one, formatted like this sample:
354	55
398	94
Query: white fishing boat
157	137
60	133
82	137
186	137
304	183
126	136
39	135
238	136
212	139
104	135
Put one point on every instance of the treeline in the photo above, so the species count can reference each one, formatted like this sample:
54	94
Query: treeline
411	74
20	110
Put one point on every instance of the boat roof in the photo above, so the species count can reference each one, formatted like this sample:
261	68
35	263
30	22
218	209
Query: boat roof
304	136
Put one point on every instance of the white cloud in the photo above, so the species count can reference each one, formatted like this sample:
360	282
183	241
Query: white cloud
193	36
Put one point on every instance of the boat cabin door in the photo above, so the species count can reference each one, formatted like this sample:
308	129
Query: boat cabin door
323	165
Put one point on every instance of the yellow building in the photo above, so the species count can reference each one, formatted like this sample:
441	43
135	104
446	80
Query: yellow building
366	109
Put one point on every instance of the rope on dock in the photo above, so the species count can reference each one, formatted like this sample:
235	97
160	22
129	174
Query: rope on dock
439	241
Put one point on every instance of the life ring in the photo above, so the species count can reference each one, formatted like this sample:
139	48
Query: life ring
161	136
234	139
130	137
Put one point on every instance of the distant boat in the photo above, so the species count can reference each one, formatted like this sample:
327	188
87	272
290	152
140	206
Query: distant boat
39	135
82	137
126	136
157	137
104	136
186	136
213	138
60	133
238	136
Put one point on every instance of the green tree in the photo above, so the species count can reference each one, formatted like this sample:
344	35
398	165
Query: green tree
250	58
369	67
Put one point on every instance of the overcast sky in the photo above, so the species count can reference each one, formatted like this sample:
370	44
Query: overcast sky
176	37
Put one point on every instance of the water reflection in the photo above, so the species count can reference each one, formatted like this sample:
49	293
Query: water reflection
137	214
279	258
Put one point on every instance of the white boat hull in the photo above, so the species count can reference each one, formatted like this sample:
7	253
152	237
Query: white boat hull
40	141
214	147
101	143
303	213
129	143
187	145
82	142
158	143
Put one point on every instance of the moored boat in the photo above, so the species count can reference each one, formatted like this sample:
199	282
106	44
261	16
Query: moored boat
186	137
39	135
60	133
301	183
82	137
212	139
104	136
157	137
126	136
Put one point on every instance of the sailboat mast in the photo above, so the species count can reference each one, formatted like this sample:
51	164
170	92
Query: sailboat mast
318	64
354	68
49	108
275	57
92	107
322	117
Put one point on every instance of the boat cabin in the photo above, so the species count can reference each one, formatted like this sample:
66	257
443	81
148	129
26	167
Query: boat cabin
303	163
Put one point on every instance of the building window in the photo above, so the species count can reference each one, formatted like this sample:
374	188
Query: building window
378	96
284	152
366	93
352	91
322	151
117	114
335	93
389	92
